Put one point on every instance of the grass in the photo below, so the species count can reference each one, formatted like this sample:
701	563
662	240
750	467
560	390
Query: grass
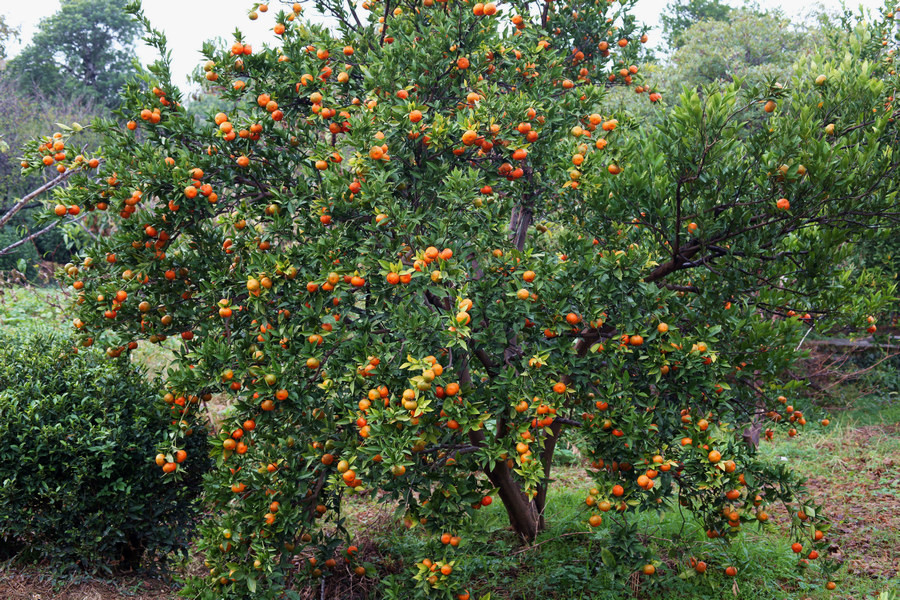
32	306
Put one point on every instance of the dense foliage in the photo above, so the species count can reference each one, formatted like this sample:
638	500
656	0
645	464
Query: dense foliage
680	15
79	487
725	50
422	250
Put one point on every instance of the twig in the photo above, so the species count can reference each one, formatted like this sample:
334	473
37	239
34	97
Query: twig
803	340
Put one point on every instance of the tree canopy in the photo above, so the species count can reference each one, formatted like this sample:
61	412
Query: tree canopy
721	50
680	15
7	33
86	48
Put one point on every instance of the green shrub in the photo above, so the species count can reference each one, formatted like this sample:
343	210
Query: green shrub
79	485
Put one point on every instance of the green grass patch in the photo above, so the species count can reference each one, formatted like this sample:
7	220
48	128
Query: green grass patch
27	307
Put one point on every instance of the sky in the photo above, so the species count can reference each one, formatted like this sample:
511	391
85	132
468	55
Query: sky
188	23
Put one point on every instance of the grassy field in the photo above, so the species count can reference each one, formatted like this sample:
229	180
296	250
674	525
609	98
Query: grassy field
851	466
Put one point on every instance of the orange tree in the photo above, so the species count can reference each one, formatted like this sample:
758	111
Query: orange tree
419	250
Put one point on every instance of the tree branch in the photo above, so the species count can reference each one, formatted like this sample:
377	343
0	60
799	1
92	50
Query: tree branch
40	232
34	194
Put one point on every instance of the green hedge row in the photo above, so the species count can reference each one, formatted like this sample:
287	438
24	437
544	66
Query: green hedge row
78	484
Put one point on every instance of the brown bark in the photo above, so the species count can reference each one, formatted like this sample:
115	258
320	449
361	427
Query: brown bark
523	515
684	255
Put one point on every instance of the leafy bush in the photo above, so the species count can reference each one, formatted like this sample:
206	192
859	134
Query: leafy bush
79	487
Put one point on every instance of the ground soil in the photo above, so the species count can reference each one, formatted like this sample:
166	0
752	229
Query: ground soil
32	584
863	503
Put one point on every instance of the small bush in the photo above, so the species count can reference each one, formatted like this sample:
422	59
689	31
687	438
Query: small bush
79	485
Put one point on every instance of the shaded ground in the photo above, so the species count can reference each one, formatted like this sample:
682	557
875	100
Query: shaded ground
31	584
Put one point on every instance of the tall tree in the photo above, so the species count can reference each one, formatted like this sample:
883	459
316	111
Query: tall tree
723	50
7	33
681	14
85	48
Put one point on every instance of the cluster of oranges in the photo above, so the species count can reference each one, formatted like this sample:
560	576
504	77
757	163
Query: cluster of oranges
54	151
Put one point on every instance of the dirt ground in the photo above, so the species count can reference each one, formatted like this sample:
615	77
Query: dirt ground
32	585
863	501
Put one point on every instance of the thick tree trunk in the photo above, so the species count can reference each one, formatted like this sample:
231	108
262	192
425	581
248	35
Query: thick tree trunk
526	516
523	515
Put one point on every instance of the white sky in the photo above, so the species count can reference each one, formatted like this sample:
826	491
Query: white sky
187	23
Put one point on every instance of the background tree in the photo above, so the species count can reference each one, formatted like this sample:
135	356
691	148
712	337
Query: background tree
86	48
76	62
420	252
680	15
722	50
7	33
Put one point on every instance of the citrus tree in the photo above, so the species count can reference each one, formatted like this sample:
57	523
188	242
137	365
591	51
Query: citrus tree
421	251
